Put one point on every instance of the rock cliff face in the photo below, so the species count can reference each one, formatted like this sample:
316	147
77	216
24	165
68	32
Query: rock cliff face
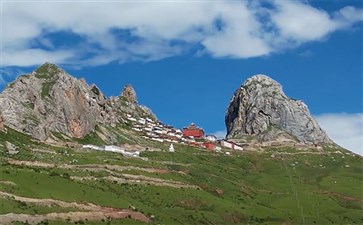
2	127
129	94
50	100
260	110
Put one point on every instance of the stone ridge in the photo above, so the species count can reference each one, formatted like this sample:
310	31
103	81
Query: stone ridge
261	111
49	100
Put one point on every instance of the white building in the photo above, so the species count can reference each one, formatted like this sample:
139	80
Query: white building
142	121
147	129
131	119
231	145
132	154
157	139
178	131
95	147
112	148
211	138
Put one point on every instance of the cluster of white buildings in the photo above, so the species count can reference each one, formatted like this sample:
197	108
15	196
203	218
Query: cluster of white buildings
112	148
157	131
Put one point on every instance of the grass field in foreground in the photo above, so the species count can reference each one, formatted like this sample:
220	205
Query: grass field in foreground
274	186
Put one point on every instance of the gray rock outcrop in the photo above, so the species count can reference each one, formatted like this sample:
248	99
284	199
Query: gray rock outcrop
50	100
260	110
11	148
2	126
129	94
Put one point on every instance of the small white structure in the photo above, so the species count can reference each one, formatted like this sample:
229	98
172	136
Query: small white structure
132	154
131	119
211	138
157	139
158	132
231	145
171	148
178	131
95	147
112	148
142	121
148	129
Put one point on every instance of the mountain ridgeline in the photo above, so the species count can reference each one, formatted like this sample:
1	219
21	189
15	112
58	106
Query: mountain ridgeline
260	112
108	160
49	101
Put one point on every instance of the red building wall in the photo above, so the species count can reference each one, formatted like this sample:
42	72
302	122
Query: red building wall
193	133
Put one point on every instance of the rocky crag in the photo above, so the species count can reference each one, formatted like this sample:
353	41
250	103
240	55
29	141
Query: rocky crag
2	127
129	94
50	100
260	112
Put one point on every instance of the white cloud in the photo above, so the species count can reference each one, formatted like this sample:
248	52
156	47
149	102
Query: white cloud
238	37
29	57
159	29
345	129
301	22
348	15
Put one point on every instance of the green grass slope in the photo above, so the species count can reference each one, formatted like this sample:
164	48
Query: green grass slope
273	186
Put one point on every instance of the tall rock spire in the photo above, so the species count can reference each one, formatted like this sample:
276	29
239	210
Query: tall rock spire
129	94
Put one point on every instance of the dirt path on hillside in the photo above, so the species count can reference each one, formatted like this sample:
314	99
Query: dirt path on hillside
138	179
114	176
341	196
7	182
86	166
90	212
302	153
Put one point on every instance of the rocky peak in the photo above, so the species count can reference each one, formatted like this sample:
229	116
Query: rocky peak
260	110
261	79
129	94
263	83
49	101
47	70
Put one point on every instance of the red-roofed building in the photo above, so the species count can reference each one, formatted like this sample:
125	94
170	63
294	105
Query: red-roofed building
209	145
193	131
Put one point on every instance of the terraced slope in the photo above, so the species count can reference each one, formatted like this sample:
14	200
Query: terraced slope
44	184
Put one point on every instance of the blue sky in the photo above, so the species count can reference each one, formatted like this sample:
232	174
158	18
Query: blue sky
185	59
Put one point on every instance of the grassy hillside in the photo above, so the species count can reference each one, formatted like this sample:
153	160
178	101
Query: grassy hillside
190	186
